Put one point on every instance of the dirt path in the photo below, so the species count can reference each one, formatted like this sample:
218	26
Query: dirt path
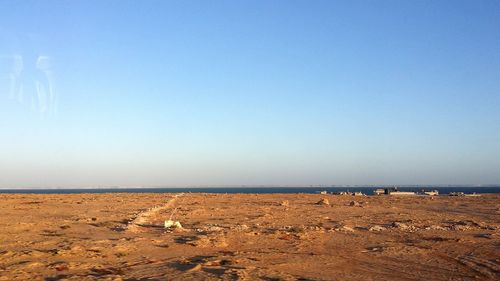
143	219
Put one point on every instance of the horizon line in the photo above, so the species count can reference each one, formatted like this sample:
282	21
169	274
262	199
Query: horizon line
256	186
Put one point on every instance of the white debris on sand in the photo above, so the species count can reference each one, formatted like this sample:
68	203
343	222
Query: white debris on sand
172	224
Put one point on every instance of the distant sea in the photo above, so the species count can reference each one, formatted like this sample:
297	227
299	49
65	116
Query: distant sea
261	190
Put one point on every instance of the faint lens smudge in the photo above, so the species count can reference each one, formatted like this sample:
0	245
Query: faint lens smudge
30	80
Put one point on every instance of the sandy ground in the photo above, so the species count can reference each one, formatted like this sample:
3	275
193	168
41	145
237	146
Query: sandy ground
248	237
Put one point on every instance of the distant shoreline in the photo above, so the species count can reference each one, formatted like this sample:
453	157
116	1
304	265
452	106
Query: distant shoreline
270	186
368	190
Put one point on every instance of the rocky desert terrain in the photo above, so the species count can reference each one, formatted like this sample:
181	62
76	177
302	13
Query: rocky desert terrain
122	236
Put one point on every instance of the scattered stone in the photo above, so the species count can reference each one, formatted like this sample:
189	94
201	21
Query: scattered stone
354	204
344	229
212	228
197	267
298	228
241	227
483	225
460	227
323	201
400	225
435	227
377	228
315	228
172	224
285	203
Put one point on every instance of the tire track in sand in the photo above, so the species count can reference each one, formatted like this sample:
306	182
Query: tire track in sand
487	268
143	219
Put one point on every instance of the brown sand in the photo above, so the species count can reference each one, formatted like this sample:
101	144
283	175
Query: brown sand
248	237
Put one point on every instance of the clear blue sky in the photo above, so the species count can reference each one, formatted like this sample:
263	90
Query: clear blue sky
170	93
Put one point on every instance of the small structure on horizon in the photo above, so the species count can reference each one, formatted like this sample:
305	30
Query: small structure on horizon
434	192
463	194
392	191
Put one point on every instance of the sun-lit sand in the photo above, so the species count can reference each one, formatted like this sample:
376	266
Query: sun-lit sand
248	237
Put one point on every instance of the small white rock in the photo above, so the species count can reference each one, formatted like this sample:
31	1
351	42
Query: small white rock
172	224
